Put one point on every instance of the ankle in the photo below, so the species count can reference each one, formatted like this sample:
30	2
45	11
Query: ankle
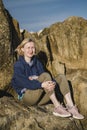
70	105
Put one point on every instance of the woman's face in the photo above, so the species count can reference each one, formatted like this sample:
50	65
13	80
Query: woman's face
29	49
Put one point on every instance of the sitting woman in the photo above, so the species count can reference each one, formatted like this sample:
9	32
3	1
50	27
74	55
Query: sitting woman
34	86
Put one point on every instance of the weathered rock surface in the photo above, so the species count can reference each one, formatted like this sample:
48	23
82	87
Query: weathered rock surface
62	48
65	43
9	40
16	116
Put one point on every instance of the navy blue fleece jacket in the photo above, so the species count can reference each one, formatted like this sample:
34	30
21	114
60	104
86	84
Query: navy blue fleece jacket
22	71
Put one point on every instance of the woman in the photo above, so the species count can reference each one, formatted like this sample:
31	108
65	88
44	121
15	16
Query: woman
35	86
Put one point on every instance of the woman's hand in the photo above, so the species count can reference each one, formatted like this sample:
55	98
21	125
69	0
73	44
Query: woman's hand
49	85
33	77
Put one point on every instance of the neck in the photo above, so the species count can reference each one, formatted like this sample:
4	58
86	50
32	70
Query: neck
27	59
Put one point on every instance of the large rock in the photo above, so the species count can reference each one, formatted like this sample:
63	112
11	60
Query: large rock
9	40
4	46
79	84
63	43
16	116
62	48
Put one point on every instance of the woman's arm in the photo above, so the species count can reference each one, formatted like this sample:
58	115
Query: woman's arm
21	80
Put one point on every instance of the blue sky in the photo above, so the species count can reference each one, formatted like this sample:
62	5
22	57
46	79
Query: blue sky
34	15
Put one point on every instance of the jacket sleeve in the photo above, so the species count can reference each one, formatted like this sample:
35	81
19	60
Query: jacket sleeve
22	81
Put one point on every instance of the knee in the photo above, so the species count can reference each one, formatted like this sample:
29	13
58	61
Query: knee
60	78
47	76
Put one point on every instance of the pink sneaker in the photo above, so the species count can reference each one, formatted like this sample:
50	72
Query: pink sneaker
74	111
61	112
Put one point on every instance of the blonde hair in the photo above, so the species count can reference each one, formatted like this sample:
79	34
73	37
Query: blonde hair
25	41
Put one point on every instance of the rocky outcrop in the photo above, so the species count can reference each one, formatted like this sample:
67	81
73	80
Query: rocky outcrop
64	43
4	44
14	115
9	40
62	48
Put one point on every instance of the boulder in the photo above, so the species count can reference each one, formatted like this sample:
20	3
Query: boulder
62	48
14	115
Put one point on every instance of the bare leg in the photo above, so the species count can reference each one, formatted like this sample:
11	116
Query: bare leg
59	110
69	99
54	100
